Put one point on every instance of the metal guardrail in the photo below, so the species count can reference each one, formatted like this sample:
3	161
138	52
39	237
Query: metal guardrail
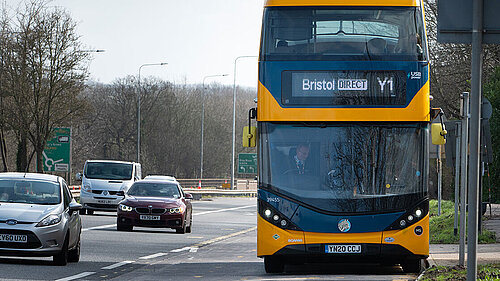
197	193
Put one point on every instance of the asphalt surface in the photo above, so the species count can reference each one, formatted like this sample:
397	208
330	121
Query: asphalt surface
107	253
222	246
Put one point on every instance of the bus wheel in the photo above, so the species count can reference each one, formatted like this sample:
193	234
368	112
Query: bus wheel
273	264
412	266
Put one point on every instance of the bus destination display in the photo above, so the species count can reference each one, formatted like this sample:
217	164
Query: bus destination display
344	88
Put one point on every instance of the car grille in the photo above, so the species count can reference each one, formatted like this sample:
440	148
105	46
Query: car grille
102	206
100	192
156	211
17	222
32	243
168	223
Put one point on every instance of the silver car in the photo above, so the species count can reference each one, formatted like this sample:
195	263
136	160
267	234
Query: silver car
38	217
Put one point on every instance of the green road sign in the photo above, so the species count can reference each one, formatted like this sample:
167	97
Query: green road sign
247	163
57	152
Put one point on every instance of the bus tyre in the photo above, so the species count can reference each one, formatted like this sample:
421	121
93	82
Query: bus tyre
273	264
90	212
83	211
412	266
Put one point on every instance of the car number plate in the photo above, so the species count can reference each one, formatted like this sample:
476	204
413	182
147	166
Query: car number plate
13	238
104	201
150	218
343	249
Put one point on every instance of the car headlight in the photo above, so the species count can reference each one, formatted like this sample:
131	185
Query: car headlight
178	210
50	220
86	187
125	208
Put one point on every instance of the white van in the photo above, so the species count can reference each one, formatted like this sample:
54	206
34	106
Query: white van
102	179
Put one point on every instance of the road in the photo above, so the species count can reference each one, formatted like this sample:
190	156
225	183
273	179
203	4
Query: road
222	246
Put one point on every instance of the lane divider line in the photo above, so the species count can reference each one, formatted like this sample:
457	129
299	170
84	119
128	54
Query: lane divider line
217	239
81	275
180	250
113	266
99	227
153	256
223	210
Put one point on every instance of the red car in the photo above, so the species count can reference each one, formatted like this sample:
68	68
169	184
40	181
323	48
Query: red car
155	203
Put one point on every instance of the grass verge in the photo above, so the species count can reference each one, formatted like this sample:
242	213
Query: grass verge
441	227
486	272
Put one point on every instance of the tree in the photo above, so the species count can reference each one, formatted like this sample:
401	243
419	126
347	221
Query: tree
44	73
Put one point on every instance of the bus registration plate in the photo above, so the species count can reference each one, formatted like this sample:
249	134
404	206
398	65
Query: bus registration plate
343	249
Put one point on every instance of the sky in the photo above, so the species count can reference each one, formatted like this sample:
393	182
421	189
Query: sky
197	38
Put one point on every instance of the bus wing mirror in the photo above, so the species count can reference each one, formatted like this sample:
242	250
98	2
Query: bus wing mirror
438	132
78	176
249	136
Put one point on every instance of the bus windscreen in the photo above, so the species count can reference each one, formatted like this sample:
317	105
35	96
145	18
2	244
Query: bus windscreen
348	168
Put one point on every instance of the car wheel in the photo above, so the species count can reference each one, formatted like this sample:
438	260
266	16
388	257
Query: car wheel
62	258
181	230
74	255
83	211
273	264
90	212
124	227
188	229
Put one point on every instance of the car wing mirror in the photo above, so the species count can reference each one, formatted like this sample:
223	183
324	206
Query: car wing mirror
73	206
78	176
120	193
188	196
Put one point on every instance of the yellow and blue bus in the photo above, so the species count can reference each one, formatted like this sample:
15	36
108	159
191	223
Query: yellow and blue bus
343	130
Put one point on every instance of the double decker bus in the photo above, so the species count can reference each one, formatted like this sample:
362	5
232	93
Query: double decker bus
343	123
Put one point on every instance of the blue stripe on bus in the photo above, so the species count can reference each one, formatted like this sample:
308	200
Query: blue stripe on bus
311	221
270	75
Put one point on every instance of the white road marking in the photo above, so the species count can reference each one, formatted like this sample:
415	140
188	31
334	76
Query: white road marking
99	227
223	210
193	250
81	275
217	239
181	249
113	266
153	256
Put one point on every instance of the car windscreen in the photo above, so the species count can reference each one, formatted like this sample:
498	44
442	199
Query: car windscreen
30	192
154	189
108	171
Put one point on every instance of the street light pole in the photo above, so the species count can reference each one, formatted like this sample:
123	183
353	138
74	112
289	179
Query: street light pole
234	117
203	119
139	110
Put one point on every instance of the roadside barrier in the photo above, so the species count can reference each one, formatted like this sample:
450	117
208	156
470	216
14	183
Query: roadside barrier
197	193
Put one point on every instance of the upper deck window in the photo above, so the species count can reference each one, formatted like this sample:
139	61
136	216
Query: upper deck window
313	33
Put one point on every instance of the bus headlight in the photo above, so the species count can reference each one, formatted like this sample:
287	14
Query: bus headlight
418	213
402	223
276	217
268	213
